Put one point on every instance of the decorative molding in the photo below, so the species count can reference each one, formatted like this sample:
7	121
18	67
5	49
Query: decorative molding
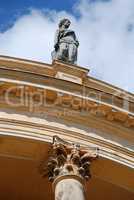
66	159
83	105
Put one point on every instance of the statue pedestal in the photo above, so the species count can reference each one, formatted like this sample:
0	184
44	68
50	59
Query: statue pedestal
69	72
68	77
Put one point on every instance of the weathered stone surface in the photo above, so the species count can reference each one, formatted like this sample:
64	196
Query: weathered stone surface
68	166
69	189
69	159
65	43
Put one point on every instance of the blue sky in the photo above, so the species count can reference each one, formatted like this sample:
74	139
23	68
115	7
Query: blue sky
105	29
10	10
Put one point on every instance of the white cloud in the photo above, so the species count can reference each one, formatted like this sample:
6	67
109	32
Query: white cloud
106	45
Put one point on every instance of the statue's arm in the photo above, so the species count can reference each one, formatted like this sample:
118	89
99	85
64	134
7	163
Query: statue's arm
56	40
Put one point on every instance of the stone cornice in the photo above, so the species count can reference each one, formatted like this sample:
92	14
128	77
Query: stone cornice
30	66
39	101
36	131
80	102
106	110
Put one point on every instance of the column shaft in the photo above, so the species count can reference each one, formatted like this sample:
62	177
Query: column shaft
69	189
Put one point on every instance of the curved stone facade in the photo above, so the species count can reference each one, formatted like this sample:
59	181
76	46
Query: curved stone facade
39	101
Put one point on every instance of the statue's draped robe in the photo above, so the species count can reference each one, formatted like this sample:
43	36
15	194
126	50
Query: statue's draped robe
67	45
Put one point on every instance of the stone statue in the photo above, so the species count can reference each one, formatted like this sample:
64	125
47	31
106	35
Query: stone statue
65	43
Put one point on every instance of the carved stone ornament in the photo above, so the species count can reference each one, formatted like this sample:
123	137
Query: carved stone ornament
65	43
68	159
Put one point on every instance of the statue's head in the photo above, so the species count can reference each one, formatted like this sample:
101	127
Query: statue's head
65	22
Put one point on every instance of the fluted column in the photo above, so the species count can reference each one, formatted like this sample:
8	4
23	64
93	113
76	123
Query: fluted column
68	168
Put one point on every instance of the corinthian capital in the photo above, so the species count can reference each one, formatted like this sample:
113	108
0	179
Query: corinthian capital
69	159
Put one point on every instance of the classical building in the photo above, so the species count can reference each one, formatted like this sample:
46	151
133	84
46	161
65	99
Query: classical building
63	134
